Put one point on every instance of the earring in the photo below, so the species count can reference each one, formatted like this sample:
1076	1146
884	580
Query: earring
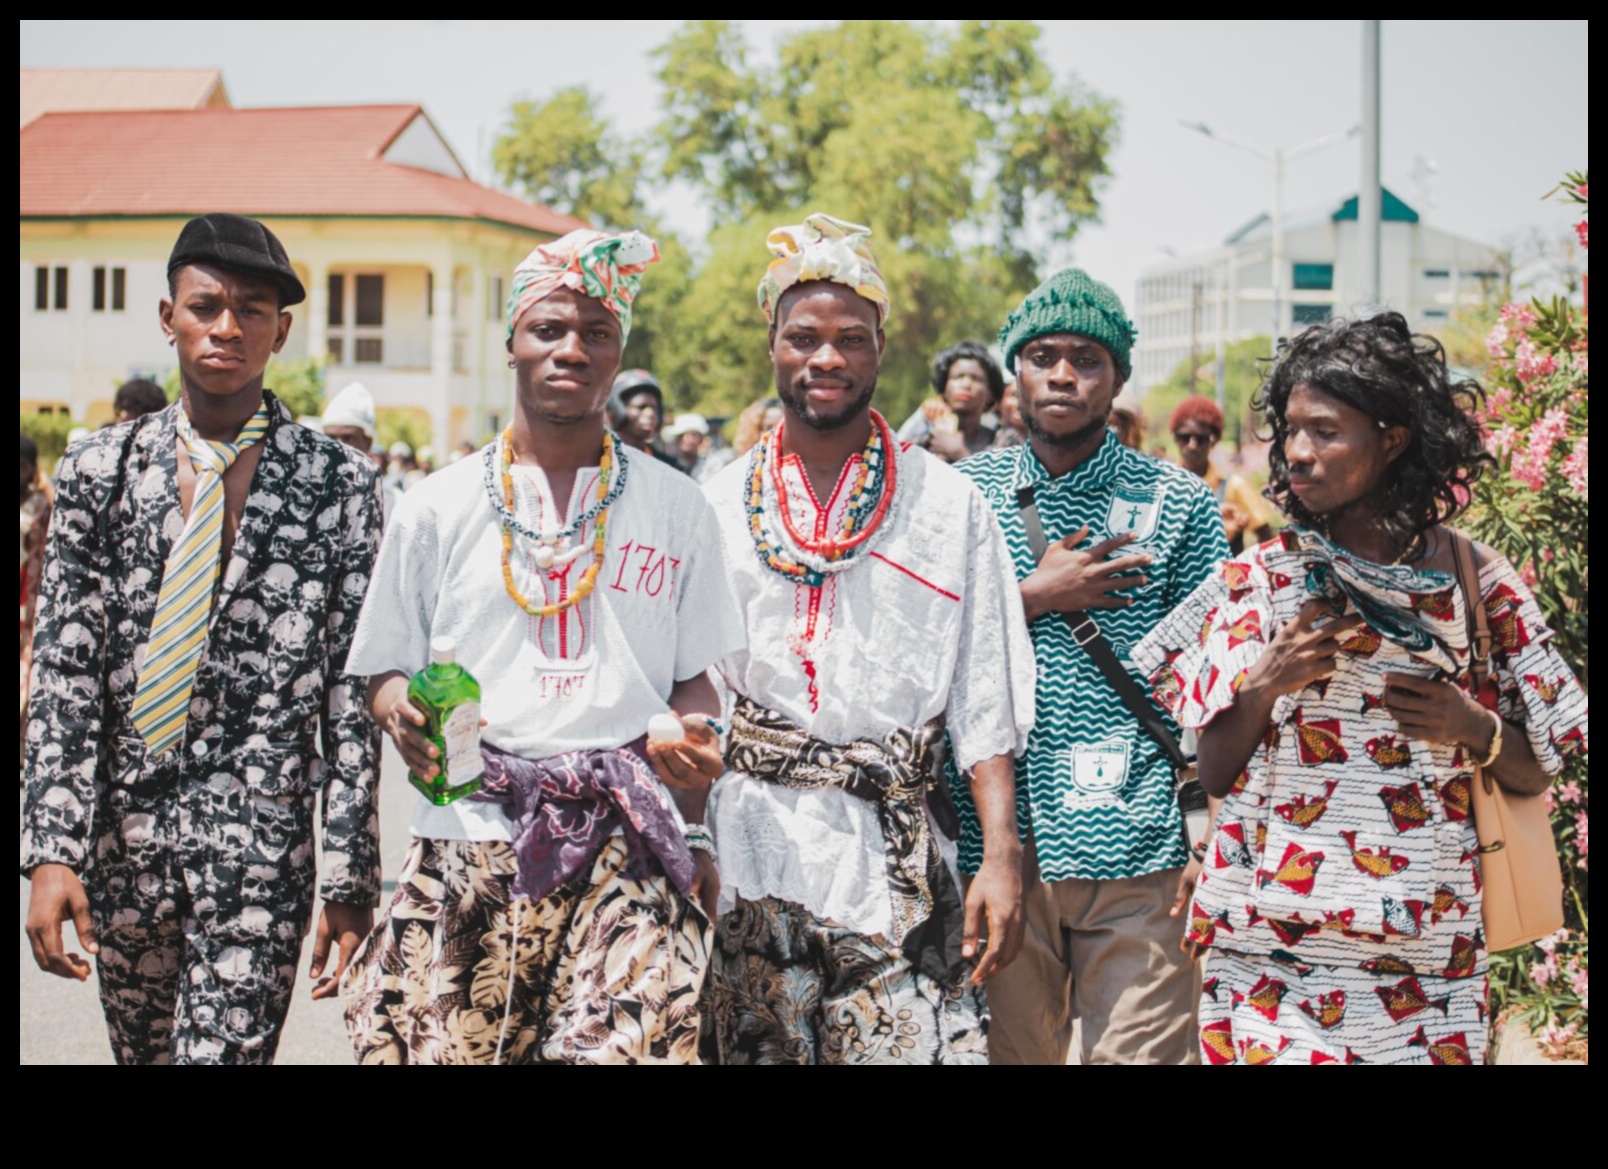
171	338
510	360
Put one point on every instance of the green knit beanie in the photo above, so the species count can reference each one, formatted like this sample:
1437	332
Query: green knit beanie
1071	301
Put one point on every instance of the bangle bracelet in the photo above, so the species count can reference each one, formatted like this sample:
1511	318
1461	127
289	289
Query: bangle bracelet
699	839
1496	741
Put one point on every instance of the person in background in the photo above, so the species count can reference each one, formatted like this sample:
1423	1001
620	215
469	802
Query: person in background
423	466
1326	673
36	496
349	419
462	451
1128	419
398	466
960	421
1197	427
1012	430
136	398
635	410
686	438
757	420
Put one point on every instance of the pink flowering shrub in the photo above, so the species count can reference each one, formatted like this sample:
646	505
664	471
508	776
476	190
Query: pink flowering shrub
1534	510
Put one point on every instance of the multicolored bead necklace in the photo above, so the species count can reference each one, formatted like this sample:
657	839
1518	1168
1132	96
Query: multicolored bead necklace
552	545
810	561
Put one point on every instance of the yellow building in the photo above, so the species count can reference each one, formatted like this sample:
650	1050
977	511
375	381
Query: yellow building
406	260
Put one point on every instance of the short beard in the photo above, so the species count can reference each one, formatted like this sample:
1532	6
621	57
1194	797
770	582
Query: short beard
1065	441
797	407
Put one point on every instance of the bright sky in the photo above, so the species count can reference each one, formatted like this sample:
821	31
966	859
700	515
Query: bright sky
1499	107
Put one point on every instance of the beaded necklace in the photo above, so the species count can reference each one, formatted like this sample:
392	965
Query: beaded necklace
552	547
809	561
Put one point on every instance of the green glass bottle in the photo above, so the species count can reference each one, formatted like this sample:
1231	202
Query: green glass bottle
449	698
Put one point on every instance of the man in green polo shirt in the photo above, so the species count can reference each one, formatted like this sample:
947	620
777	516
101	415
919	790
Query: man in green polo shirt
1128	538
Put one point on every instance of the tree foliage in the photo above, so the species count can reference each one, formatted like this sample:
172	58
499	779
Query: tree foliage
562	152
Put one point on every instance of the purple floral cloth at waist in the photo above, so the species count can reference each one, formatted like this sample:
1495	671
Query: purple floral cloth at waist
564	807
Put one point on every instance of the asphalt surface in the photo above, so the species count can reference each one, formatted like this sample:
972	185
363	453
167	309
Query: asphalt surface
61	1021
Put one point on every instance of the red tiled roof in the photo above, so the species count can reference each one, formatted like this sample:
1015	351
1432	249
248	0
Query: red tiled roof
314	161
45	90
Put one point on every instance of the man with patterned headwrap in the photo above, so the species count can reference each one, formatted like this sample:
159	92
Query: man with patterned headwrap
876	621
555	915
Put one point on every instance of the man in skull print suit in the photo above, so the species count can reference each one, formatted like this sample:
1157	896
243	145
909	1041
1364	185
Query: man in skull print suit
172	769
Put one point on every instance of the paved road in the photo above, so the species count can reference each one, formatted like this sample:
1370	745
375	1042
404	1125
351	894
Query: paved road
61	1021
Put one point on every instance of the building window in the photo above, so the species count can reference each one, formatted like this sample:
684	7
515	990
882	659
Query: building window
369	350
337	299
1309	314
429	292
1435	314
1313	277
1481	274
337	350
494	298
1437	273
98	289
370	309
46	297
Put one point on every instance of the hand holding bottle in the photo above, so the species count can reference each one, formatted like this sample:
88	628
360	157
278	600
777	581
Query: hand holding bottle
691	762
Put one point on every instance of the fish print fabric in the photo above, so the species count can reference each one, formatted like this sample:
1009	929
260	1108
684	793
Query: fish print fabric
1345	843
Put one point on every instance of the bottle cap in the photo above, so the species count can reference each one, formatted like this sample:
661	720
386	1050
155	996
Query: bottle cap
443	650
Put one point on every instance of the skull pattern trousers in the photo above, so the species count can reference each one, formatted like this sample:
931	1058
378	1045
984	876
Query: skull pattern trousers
200	918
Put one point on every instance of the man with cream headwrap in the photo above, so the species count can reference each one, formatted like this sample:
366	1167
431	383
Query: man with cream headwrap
561	913
876	622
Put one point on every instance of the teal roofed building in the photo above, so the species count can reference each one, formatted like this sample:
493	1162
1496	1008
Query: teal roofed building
1187	304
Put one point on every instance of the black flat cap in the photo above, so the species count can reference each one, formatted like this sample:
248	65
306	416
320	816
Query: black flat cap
233	241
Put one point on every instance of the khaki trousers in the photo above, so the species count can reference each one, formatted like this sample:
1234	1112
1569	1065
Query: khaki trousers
1104	953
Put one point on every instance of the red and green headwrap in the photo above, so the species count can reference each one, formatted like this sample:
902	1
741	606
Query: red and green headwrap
606	266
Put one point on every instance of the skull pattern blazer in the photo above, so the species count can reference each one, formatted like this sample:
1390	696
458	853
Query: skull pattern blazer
272	670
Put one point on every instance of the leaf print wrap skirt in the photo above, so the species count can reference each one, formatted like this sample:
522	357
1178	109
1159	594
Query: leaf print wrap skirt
605	969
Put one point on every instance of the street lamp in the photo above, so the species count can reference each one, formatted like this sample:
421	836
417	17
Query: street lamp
1278	156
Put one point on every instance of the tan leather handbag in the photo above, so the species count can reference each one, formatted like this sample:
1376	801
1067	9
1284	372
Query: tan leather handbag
1523	894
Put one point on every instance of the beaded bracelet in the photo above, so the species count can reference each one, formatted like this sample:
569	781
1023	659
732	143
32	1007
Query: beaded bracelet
699	839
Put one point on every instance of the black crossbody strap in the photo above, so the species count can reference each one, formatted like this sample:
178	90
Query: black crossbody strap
1087	634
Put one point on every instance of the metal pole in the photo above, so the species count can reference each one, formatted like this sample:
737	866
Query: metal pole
1370	199
1278	246
1219	284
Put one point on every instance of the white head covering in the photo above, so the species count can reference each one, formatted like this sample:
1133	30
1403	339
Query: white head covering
353	406
687	424
400	450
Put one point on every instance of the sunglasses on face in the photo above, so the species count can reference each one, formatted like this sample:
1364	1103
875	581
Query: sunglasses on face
1194	439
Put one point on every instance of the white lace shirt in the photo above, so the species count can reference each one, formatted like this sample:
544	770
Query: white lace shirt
591	677
927	623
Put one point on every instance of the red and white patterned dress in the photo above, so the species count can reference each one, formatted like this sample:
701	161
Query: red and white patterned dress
1341	894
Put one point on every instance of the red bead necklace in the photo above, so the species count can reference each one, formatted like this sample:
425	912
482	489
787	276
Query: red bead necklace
834	547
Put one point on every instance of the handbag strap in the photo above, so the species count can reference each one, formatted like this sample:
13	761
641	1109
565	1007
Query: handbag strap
1480	638
1088	636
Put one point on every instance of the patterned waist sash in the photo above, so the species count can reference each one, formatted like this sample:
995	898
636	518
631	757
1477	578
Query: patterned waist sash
893	775
564	807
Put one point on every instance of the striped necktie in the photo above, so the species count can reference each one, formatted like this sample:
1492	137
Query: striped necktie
179	630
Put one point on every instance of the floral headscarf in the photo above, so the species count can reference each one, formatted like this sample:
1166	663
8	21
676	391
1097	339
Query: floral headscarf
822	248
607	266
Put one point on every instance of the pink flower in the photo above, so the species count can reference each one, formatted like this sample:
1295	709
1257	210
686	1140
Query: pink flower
1533	363
1579	982
1582	821
1582	189
1553	1035
1549	801
1542	973
1500	441
1569	792
1498	402
1574	467
1550	943
1580	230
1528	576
1496	341
1520	316
1529	465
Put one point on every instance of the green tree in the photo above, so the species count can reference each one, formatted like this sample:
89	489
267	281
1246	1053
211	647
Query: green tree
563	152
957	147
298	383
1242	375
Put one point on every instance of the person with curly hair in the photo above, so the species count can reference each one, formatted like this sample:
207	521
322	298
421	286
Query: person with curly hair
1325	673
1197	427
961	420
